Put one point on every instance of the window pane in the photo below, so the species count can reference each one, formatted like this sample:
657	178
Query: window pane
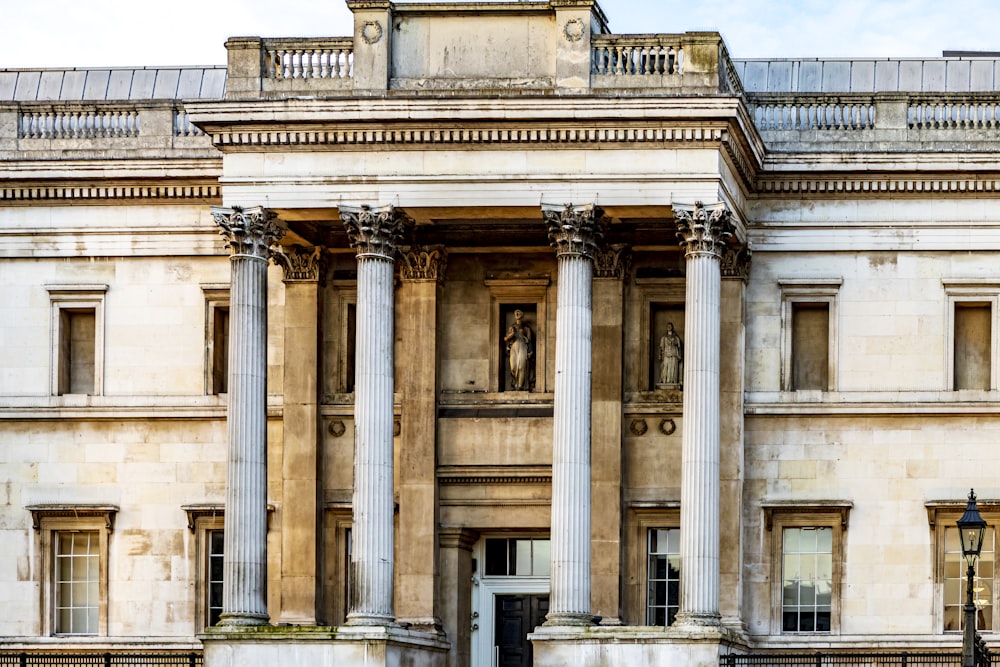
77	582
496	557
540	556
662	575
807	579
522	557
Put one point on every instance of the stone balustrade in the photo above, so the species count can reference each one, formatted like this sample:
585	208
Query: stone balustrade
324	58
637	55
813	112
154	126
964	112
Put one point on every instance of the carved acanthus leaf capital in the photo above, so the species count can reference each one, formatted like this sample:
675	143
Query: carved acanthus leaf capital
574	230
299	262
249	231
613	261
704	229
373	232
423	263
736	262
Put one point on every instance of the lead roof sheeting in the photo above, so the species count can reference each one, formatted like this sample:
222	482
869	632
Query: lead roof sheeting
26	88
72	85
164	83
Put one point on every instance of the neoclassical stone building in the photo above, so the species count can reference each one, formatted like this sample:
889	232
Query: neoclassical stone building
486	336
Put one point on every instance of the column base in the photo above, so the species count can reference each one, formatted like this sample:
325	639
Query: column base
369	620
243	620
378	646
560	619
632	645
696	621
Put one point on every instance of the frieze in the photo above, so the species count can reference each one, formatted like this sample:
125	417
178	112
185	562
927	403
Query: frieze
35	193
574	230
300	264
249	231
420	263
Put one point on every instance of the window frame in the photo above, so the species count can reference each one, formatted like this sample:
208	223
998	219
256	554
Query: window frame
642	518
48	522
781	515
971	291
809	291
75	298
201	520
944	514
216	300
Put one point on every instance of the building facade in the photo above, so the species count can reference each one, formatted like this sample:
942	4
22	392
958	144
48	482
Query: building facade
486	336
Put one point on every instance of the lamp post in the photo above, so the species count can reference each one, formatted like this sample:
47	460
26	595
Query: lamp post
971	528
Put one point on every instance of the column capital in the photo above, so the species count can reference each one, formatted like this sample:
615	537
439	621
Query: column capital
373	231
613	261
249	231
423	263
703	229
574	230
299	263
736	261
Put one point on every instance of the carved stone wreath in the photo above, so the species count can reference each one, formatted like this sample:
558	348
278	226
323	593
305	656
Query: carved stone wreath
336	428
638	427
668	426
371	32
573	30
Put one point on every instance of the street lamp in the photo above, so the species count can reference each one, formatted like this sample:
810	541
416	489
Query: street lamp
971	528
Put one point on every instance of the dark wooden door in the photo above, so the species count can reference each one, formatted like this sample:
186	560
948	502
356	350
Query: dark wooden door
516	616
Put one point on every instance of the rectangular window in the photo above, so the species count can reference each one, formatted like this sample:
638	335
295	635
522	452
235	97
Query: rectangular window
520	556
216	338
807	579
663	575
809	334
973	344
77	582
810	346
77	339
955	582
214	580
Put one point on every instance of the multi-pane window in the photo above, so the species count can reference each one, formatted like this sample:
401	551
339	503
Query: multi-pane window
214	580
77	582
517	556
955	582
663	575
807	579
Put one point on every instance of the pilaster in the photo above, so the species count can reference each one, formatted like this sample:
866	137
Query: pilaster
422	270
574	231
611	267
300	436
455	590
704	234
374	233
249	235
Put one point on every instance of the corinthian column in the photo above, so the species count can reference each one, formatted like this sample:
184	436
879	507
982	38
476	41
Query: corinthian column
703	233
249	234
574	232
374	233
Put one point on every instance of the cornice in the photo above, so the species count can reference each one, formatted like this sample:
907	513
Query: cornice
34	191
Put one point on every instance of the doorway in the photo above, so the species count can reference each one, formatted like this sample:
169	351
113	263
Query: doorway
514	617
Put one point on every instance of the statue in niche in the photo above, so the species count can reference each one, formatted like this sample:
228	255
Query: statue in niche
520	352
671	358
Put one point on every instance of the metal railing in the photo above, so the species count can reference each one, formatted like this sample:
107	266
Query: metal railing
857	659
96	659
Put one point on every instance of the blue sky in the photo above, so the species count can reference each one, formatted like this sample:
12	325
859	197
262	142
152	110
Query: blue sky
98	33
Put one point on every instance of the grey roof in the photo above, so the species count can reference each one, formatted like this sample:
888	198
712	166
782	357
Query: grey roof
868	75
137	83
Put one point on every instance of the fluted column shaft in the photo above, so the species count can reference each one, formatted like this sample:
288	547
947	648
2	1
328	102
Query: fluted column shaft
374	234
574	232
704	234
249	234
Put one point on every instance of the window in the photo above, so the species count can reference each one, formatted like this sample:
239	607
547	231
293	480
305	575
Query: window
77	582
951	567
77	339
807	559
73	541
216	338
955	582
663	575
214	575
337	563
809	338
806	579
971	350
517	556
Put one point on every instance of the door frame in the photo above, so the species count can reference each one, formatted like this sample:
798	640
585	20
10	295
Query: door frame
484	592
